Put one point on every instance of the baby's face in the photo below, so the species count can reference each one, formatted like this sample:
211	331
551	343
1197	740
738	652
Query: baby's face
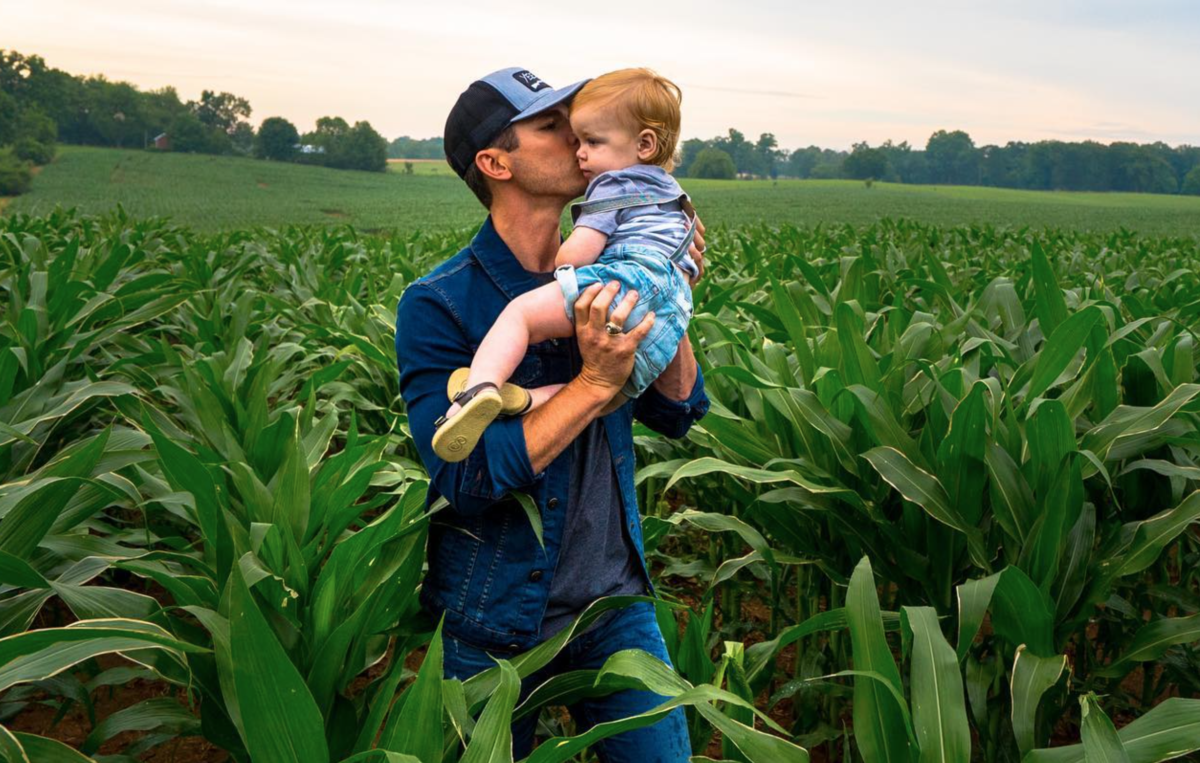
605	143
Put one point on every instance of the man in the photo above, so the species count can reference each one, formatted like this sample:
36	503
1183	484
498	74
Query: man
499	591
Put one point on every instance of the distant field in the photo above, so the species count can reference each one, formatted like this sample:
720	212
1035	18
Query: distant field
422	167
210	193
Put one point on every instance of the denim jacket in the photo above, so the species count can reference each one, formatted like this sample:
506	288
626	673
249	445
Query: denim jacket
487	572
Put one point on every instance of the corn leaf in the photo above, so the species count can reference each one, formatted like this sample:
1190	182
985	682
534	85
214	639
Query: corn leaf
492	742
939	711
1032	676
1169	730
881	729
281	722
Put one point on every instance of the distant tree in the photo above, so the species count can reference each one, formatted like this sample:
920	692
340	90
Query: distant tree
952	158
688	151
827	170
159	109
276	140
1003	166
329	130
904	164
190	135
18	72
865	162
741	151
766	152
15	174
33	151
8	118
221	111
1187	158
114	113
1140	169
363	149
801	161
32	135
1191	182
713	163
405	147
242	139
327	137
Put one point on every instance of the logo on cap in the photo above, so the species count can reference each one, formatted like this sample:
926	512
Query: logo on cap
530	80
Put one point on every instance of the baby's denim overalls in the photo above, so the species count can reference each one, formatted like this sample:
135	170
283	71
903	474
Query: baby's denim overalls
654	274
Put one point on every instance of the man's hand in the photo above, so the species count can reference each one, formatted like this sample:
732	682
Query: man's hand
607	363
607	358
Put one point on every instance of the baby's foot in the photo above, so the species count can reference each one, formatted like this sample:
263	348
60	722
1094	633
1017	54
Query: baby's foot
516	400
458	432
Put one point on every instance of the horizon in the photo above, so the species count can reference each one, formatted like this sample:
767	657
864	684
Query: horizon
907	76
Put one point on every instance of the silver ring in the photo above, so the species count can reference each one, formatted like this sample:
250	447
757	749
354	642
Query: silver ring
612	328
702	251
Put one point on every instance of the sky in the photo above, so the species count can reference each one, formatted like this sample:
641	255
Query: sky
813	73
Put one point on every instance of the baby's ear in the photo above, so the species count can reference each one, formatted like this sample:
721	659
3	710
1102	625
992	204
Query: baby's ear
647	144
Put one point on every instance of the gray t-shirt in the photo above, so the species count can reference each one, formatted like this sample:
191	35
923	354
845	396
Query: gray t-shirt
595	558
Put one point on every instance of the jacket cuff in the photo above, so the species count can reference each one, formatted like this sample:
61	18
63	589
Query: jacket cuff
673	417
500	462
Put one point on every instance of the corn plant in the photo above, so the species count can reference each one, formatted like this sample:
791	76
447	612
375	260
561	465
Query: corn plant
208	474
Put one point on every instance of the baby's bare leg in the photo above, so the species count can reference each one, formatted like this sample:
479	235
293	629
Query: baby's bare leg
535	316
540	395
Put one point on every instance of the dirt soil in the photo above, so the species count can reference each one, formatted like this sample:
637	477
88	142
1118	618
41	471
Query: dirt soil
74	728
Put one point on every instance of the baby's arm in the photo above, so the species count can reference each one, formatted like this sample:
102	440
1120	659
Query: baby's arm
582	247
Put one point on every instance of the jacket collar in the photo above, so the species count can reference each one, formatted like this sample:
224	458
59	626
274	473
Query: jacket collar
500	263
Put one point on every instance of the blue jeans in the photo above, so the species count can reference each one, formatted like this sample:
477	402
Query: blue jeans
633	627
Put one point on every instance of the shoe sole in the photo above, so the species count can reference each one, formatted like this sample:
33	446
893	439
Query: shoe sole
454	440
514	399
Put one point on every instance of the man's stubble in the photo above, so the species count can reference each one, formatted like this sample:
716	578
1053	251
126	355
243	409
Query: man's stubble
542	179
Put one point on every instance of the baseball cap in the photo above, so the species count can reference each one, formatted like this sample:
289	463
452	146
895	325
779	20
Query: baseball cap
493	103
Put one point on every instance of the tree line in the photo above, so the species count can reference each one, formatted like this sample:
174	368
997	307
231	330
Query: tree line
405	147
952	158
41	105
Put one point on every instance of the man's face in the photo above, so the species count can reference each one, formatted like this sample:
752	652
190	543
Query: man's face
544	162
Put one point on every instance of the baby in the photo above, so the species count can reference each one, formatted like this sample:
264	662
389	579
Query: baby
634	227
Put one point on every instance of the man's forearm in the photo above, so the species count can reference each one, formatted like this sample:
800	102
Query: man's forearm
551	427
679	377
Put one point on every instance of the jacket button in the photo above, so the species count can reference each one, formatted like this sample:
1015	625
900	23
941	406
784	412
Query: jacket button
552	503
535	576
514	647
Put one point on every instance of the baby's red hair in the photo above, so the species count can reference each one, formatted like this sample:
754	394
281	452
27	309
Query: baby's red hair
645	100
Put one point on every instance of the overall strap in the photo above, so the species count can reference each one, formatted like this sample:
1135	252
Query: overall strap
681	250
626	201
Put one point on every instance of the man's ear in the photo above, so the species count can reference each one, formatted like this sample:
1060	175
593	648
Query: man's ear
647	144
493	163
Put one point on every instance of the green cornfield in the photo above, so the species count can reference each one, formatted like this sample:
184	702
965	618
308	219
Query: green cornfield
943	508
